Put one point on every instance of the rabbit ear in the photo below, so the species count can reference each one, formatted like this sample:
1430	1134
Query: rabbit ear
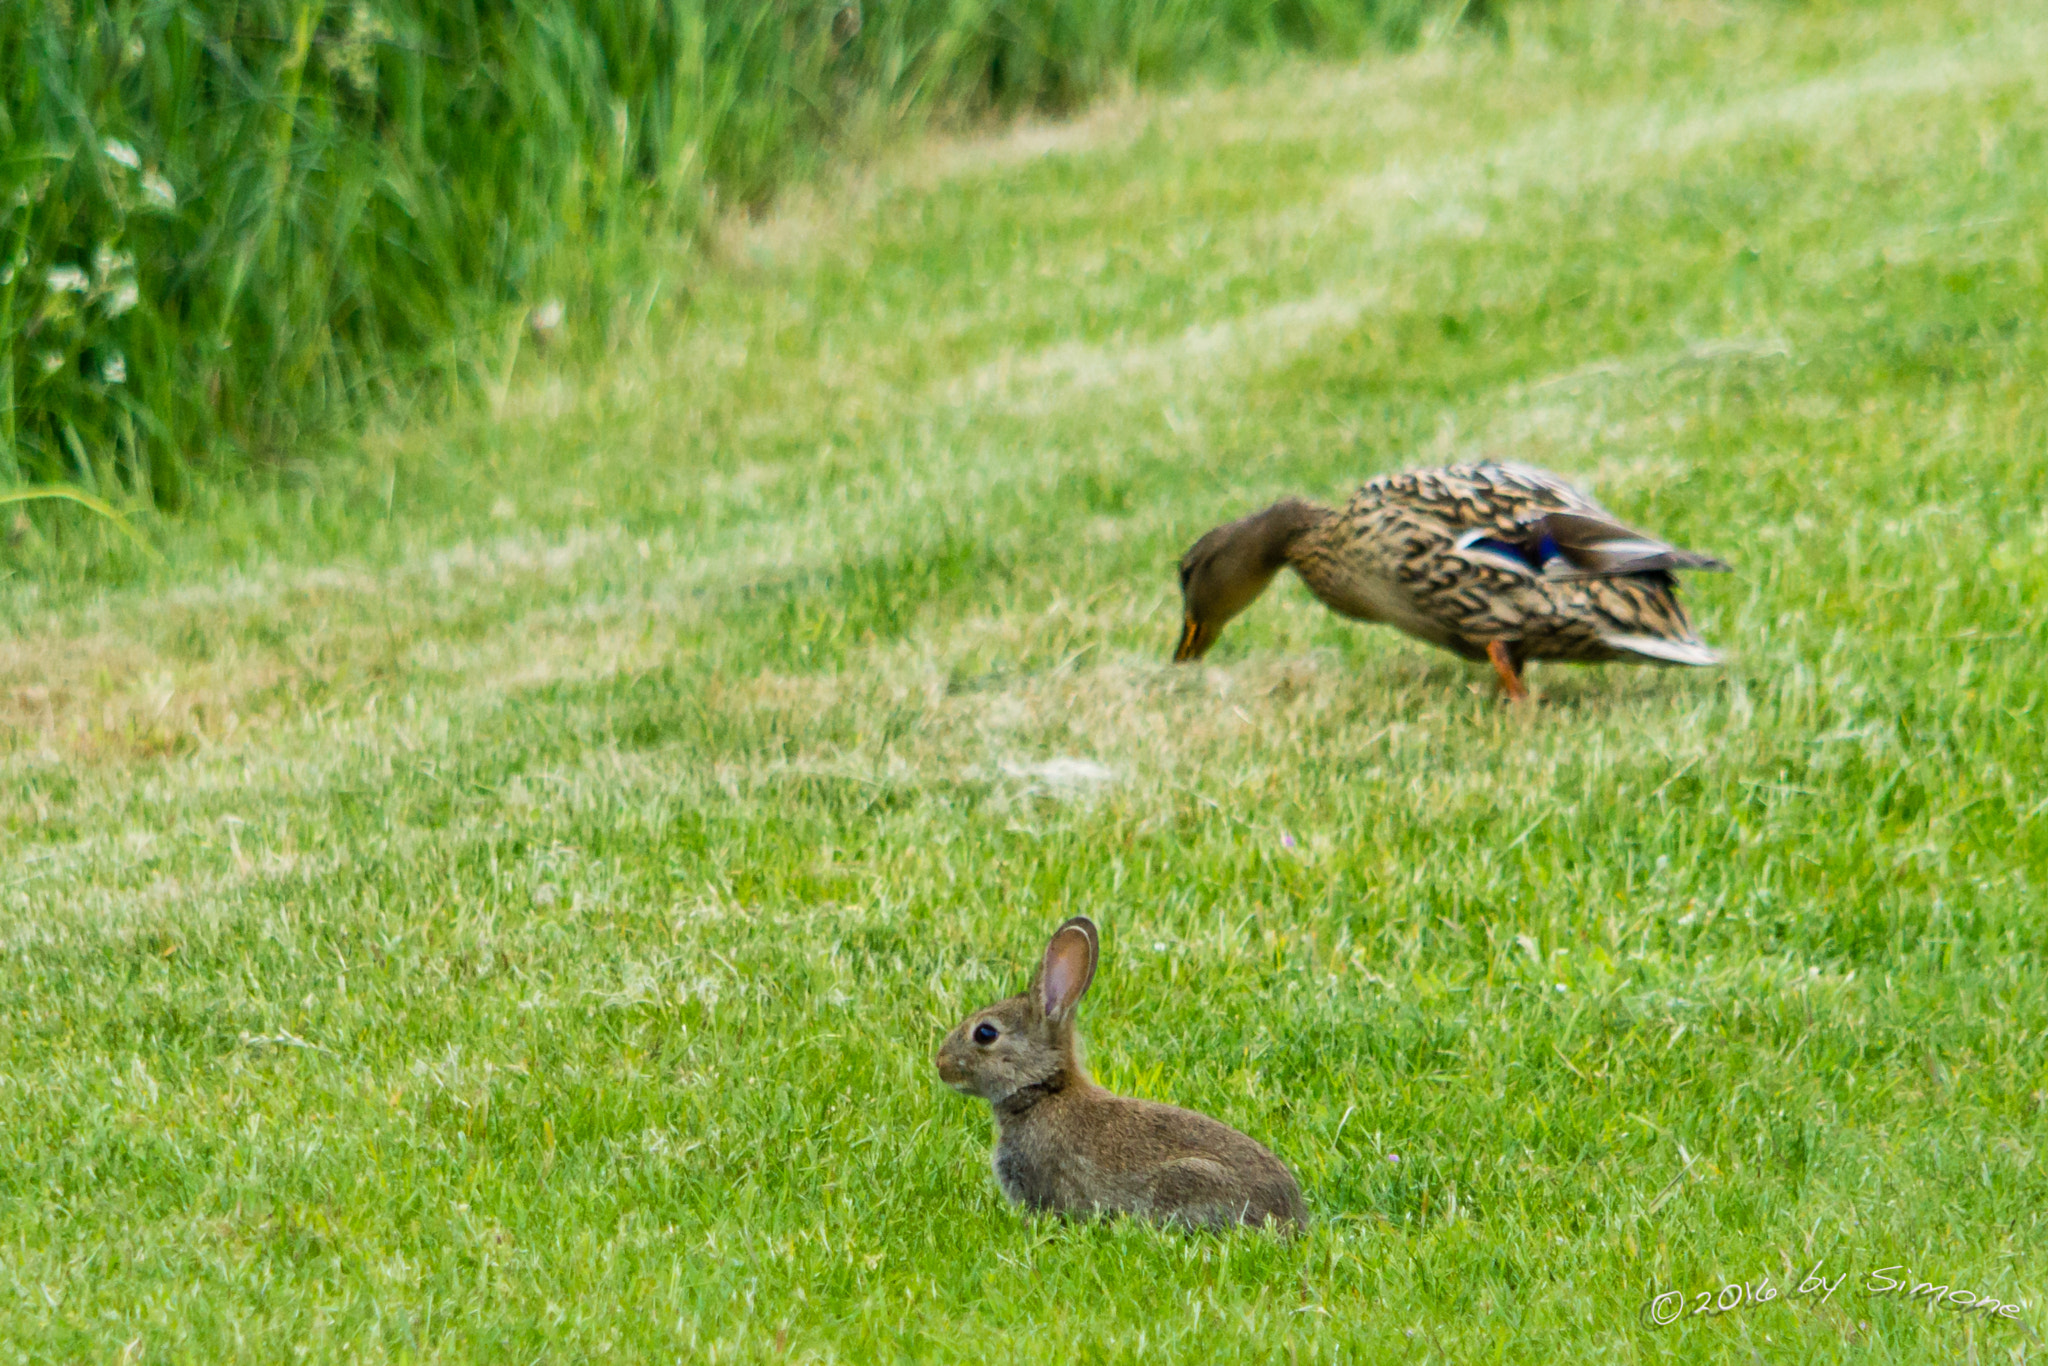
1068	968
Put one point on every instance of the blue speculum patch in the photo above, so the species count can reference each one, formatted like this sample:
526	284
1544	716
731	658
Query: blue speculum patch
1545	550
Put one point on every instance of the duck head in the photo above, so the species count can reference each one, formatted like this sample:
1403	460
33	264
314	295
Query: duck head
1225	571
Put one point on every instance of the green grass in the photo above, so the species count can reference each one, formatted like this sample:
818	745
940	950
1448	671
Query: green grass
498	900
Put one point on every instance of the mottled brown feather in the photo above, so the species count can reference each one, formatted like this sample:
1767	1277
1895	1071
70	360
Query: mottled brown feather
1563	579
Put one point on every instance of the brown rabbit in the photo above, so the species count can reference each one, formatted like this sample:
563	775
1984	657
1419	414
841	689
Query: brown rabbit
1063	1143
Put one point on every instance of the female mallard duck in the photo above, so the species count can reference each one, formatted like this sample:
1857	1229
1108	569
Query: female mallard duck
1496	562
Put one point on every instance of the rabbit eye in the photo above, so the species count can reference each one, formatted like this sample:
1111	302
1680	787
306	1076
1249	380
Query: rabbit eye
985	1033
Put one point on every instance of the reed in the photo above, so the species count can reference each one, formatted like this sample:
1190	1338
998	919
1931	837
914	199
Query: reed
231	227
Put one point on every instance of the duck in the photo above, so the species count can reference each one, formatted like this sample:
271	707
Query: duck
1496	562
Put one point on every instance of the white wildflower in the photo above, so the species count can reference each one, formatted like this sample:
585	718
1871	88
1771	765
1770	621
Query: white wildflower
158	191
120	151
107	263
114	369
132	51
548	316
53	361
121	298
68	279
354	58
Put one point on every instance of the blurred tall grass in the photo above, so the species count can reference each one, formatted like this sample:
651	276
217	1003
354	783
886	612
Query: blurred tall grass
229	225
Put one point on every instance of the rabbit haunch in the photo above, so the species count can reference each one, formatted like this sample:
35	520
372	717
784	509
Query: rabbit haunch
1065	1144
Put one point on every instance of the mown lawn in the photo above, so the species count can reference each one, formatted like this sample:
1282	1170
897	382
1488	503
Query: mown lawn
498	901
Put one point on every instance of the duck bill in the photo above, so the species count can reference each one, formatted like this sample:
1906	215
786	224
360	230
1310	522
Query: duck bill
1195	639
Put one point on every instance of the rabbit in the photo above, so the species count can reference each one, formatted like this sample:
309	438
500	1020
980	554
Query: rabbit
1065	1144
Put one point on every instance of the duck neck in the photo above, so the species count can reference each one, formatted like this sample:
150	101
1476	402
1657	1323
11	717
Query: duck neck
1282	534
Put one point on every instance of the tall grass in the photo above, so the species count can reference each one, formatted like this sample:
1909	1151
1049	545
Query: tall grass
229	224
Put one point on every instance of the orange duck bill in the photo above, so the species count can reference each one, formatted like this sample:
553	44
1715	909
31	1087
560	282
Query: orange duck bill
1195	639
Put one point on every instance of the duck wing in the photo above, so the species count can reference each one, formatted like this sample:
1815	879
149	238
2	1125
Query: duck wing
1597	547
1581	545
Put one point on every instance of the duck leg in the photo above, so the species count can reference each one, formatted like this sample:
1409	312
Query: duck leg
1509	669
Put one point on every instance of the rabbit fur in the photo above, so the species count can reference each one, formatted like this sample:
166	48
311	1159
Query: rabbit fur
1065	1144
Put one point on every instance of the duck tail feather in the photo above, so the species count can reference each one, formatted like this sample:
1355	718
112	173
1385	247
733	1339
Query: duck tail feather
1658	650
